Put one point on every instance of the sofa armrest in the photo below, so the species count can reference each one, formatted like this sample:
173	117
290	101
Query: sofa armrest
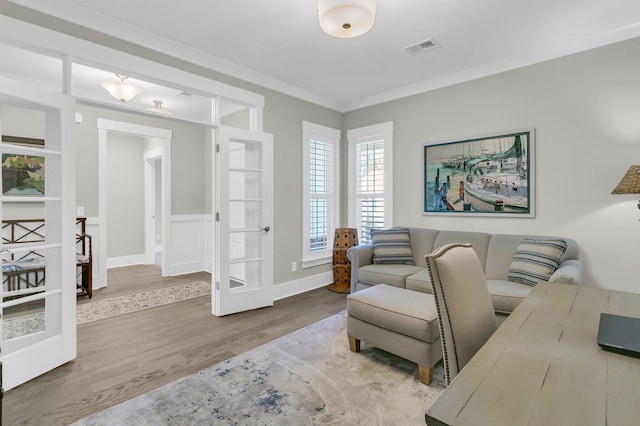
569	272
359	256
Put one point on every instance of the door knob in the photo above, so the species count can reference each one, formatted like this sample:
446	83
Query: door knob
266	229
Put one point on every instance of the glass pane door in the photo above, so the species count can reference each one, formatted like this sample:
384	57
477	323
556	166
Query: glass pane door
244	273
37	209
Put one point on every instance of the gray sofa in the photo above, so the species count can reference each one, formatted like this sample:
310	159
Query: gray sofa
494	250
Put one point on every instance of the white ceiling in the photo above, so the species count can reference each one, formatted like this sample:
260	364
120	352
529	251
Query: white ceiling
279	44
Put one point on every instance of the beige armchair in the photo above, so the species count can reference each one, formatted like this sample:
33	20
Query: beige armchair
465	312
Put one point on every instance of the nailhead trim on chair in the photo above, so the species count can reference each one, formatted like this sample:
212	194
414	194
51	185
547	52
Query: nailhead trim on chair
445	354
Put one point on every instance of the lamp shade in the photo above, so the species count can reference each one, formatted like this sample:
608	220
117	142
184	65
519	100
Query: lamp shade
346	18
630	183
120	90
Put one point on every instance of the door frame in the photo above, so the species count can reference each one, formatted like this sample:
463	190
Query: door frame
150	170
105	126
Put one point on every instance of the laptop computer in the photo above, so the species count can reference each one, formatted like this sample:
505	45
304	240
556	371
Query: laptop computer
619	334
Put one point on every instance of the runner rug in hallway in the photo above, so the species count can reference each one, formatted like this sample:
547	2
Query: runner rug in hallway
308	377
21	325
101	309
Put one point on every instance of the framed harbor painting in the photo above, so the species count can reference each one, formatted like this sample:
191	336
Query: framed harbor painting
489	175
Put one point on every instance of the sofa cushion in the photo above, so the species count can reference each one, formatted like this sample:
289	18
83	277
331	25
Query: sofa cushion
536	260
406	312
506	295
422	241
420	281
394	275
502	247
478	240
391	246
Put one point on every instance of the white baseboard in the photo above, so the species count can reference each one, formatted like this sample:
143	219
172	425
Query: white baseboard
280	291
291	288
185	268
119	262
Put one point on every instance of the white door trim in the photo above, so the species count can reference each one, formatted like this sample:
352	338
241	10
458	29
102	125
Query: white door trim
105	126
150	158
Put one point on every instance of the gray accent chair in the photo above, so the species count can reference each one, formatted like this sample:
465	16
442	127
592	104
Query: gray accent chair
465	311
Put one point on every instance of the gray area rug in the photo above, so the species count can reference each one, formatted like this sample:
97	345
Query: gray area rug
308	377
101	309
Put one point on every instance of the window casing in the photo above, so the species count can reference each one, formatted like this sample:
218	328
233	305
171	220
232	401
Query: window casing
370	179
321	183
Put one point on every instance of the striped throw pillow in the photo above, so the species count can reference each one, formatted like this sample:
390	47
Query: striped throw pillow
536	260
391	246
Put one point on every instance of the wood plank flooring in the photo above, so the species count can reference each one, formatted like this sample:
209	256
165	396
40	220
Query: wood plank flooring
128	355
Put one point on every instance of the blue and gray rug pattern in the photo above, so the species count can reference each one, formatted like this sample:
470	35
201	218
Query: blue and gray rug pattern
308	377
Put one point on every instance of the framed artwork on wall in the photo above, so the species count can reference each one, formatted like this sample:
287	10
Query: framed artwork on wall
22	174
488	175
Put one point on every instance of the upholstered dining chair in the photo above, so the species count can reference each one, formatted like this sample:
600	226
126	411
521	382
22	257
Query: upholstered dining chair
465	312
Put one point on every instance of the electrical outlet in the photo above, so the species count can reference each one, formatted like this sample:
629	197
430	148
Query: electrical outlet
294	266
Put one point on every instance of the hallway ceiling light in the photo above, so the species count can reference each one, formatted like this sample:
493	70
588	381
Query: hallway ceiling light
157	108
120	90
346	18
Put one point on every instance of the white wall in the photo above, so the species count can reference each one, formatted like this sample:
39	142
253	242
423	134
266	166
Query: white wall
125	195
585	110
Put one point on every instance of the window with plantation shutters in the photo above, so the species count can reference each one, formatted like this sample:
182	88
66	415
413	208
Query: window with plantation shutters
370	186
320	192
369	191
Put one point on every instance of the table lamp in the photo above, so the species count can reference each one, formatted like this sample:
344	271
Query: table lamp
630	183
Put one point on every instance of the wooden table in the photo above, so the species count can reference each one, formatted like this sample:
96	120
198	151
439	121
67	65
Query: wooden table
543	366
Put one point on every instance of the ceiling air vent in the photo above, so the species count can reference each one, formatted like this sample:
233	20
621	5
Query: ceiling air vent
421	47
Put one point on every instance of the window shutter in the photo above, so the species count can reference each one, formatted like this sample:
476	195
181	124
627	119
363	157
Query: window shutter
369	187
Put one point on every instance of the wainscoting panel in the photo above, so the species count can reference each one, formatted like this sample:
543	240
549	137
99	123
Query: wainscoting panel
189	237
208	249
99	267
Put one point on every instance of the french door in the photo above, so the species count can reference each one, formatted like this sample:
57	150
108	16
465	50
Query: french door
243	277
38	325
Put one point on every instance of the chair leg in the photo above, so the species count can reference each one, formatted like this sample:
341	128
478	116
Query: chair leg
354	344
425	374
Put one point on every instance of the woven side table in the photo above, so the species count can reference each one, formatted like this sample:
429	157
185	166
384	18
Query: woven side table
344	238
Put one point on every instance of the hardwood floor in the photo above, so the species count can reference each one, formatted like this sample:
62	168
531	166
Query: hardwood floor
128	355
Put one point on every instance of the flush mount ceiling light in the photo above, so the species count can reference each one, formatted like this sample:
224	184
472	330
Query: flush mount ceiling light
346	18
120	90
157	108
